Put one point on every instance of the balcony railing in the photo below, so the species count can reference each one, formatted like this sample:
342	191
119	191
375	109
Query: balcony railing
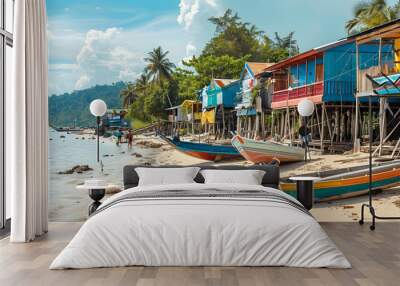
299	92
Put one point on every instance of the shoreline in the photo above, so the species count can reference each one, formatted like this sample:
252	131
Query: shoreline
71	205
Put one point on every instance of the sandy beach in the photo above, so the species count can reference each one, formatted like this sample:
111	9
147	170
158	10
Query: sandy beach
70	204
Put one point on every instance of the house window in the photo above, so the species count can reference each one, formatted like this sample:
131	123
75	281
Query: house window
6	43
319	70
280	80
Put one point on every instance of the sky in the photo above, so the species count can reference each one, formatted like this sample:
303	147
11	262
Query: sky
102	41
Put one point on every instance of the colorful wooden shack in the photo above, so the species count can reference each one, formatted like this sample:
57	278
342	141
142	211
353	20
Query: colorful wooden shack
185	116
327	75
218	100
251	105
384	71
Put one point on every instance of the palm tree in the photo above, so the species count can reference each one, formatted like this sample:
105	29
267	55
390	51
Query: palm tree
141	83
159	67
288	43
371	14
128	95
228	19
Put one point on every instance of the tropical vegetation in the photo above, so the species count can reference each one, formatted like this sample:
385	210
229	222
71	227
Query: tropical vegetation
368	14
162	84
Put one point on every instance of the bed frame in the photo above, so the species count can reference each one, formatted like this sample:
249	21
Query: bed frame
271	177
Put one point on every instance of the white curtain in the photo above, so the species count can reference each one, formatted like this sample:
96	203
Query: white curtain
28	123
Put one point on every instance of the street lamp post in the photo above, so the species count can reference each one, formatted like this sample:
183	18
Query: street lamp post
98	108
305	108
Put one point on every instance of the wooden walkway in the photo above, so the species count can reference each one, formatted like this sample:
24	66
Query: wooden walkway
375	257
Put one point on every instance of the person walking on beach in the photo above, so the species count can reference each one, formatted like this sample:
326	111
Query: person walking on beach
119	137
129	138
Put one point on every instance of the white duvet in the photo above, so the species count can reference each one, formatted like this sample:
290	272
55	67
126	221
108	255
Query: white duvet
200	231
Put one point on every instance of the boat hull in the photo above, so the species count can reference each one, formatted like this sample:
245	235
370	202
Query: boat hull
264	151
204	151
346	187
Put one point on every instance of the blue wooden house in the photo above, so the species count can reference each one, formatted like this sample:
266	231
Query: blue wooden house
326	75
220	92
250	108
250	76
218	102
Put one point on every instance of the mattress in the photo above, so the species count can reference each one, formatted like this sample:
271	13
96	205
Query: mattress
201	225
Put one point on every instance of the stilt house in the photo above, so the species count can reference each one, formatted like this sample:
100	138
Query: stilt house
218	102
327	75
252	99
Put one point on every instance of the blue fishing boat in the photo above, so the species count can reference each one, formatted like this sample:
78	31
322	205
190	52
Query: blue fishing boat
210	152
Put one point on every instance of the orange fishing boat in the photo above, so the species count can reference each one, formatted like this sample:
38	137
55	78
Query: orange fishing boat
349	182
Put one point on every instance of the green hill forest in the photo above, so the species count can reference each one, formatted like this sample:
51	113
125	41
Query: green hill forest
69	107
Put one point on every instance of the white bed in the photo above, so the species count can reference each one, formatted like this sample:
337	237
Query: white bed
209	230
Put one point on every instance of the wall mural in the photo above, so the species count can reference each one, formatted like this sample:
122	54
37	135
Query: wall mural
124	94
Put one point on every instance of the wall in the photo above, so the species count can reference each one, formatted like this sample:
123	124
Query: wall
340	73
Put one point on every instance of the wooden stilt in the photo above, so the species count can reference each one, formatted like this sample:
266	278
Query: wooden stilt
263	135
223	121
257	126
342	130
282	127
273	124
382	122
385	139
249	127
238	125
322	133
336	129
328	123
356	140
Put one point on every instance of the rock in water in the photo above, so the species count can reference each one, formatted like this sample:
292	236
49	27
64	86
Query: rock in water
76	169
137	155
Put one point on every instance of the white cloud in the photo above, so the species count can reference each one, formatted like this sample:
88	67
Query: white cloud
79	60
104	58
82	82
190	49
212	3
190	52
189	9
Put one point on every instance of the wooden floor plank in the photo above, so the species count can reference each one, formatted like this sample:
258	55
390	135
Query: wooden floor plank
375	257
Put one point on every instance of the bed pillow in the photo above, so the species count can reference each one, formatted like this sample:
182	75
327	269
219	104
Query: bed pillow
166	176
244	177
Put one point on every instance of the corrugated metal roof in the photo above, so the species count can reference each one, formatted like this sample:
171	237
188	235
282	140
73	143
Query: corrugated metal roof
258	68
224	81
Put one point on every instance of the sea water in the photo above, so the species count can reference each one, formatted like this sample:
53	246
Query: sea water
66	203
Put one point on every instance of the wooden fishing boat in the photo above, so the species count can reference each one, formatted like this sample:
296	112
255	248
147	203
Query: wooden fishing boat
349	182
265	151
210	152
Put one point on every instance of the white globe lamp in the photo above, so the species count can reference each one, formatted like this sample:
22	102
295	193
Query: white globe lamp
98	108
305	107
